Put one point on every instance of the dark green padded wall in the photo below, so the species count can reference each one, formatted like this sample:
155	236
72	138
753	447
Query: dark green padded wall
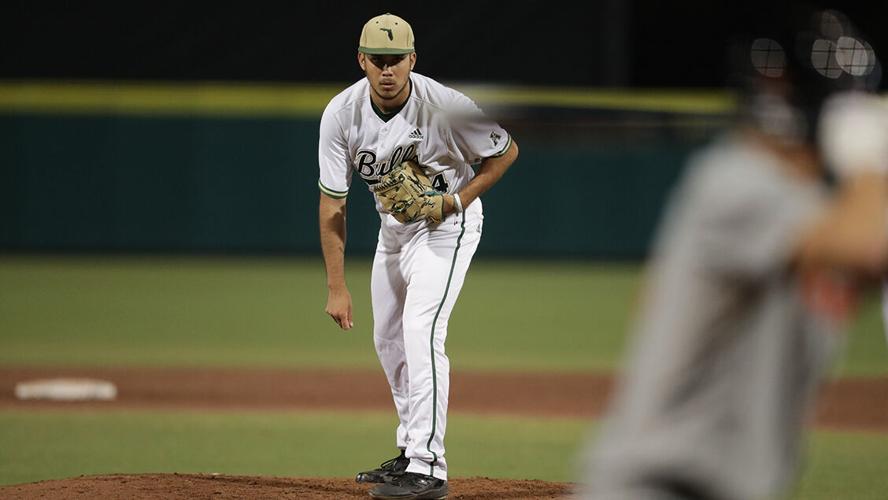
84	183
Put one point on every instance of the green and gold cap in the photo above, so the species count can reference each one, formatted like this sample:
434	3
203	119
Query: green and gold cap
386	34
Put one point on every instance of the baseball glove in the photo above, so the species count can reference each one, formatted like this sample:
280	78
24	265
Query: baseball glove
406	193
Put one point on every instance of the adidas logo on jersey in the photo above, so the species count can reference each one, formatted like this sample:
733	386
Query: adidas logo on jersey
416	134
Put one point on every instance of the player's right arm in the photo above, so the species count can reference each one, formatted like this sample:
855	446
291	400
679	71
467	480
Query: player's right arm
332	222
334	181
853	232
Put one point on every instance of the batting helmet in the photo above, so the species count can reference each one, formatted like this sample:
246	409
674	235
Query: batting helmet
784	76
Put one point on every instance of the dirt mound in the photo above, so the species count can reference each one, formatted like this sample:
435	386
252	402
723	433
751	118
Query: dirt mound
216	486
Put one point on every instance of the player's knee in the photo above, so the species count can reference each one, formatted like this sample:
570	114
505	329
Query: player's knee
416	327
388	339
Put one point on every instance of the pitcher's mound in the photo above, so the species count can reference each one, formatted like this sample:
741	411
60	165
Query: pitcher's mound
215	486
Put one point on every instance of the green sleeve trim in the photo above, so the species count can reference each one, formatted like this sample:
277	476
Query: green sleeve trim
332	193
505	148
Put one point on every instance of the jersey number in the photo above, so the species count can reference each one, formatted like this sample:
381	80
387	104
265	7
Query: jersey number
439	183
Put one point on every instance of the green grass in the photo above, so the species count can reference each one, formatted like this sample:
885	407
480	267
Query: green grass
542	315
181	311
844	465
512	315
270	312
37	445
866	352
46	445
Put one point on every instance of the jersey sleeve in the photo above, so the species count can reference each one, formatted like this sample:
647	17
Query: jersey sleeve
476	136
335	170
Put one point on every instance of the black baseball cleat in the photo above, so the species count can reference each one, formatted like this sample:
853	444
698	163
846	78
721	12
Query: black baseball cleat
411	486
385	470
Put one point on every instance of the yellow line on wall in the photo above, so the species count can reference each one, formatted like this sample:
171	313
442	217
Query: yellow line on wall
177	99
308	100
669	101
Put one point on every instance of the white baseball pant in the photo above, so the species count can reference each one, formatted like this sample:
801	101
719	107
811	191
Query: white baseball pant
417	276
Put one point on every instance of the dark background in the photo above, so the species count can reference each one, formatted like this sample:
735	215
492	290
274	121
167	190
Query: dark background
640	43
112	179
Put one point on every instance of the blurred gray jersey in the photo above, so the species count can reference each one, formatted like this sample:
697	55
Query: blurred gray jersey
727	350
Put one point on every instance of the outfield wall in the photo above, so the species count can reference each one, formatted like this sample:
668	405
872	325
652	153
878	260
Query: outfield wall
173	170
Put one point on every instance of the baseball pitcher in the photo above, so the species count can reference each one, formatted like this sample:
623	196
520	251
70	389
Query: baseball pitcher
413	142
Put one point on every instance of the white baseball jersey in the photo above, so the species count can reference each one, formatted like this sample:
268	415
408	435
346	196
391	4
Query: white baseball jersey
356	137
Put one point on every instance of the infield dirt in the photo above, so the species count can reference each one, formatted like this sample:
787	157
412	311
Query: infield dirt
848	403
194	486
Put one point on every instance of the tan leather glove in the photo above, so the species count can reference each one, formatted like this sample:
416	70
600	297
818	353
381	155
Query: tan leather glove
406	193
